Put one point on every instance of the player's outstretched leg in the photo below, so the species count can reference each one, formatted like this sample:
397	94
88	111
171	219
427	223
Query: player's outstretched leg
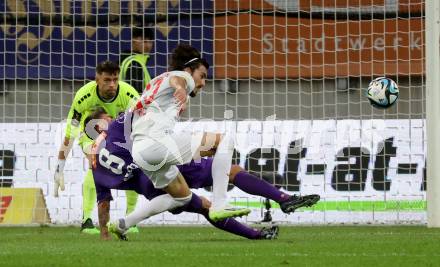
154	206
230	224
234	227
227	212
220	174
131	197
255	186
294	202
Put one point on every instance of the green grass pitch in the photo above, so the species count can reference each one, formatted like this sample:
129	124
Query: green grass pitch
207	246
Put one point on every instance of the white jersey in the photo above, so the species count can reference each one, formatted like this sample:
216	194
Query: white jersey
157	109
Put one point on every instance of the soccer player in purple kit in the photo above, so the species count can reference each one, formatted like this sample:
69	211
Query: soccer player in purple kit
197	175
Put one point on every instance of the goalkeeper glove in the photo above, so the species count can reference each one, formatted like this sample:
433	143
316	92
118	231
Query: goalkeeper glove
58	177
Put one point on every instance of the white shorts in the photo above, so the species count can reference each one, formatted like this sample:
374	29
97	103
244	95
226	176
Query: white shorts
158	157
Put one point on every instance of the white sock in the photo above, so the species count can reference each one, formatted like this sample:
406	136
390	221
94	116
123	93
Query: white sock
155	206
221	167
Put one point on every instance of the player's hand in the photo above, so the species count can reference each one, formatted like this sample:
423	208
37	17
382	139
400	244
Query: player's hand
182	108
58	177
180	95
206	204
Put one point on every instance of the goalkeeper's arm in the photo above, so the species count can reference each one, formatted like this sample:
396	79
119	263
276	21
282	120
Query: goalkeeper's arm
72	130
65	148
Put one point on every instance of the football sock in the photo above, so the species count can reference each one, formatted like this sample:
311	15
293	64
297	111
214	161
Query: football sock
194	205
233	226
132	198
89	195
220	172
230	225
155	206
253	185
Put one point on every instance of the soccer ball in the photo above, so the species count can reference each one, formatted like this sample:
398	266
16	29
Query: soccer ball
382	92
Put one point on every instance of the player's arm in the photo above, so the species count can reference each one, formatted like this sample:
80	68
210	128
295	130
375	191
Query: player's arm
72	129
180	93
184	84
179	84
176	82
65	148
104	217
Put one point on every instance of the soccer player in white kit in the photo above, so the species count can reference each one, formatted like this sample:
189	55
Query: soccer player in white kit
156	149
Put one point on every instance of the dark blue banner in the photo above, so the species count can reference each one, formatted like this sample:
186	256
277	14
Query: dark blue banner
84	8
72	52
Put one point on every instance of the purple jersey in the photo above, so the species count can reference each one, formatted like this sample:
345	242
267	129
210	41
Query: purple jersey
115	168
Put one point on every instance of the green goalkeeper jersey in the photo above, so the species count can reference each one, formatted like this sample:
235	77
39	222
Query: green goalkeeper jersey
87	99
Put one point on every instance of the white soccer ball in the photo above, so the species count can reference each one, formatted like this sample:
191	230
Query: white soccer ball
382	92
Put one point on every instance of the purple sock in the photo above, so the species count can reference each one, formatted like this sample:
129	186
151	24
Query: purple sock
255	186
230	225
194	205
234	227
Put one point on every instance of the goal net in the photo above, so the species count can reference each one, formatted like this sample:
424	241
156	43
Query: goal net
288	78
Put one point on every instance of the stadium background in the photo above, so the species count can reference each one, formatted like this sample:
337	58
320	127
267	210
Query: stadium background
269	57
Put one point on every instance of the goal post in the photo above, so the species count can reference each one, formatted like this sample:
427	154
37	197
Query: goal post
432	59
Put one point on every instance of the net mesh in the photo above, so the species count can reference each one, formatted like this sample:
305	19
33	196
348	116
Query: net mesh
289	76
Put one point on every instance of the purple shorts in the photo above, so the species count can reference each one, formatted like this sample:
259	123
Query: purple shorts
197	175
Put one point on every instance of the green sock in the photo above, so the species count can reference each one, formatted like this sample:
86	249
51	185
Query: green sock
132	198
89	195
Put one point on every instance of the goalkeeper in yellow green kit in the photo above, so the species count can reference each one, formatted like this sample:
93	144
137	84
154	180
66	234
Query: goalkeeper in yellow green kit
114	96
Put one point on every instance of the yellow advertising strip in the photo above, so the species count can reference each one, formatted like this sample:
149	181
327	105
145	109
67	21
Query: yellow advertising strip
22	206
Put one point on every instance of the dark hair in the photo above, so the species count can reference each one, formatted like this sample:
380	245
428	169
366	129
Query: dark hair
185	56
108	67
146	33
